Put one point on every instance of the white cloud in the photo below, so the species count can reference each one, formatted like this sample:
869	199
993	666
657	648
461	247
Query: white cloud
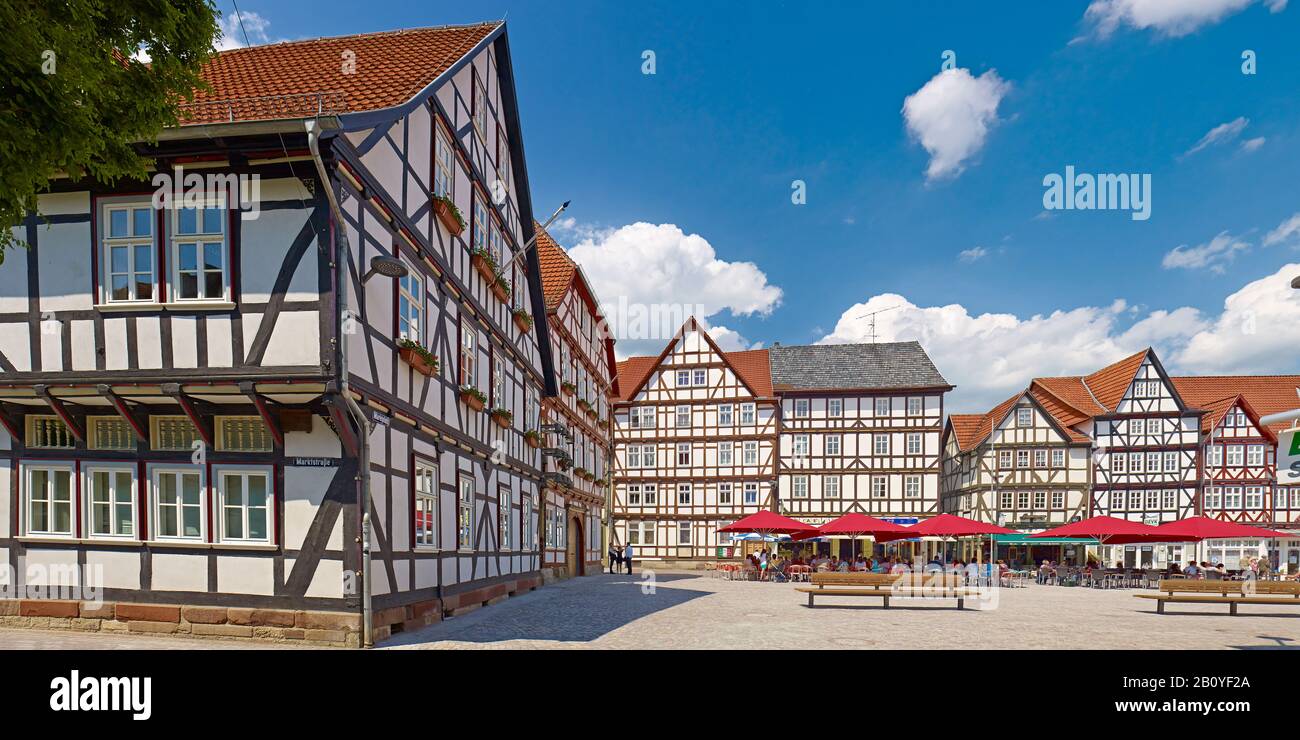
651	277
1285	231
1221	133
1214	254
729	340
232	31
989	356
1250	145
1165	17
951	116
973	254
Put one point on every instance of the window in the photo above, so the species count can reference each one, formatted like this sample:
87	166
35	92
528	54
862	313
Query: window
651	494
648	456
1254	497
913	443
1213	497
172	433
1232	497
1040	500
881	442
504	519
1153	500
750	453
243	434
111	501
199	253
724	453
700	377
479	112
468	356
1004	459
801	445
1058	500
879	487
1022	500
1135	462
1153	462
833	444
1116	500
1022	458
1167	499
529	537
747	413
482	224
683	533
1171	462
634	456
912	486
882	407
48	432
110	433
683	378
1058	458
1236	455
724	494
800	407
642	417
179	511
684	453
128	252
426	505
1040	458
498	399
683	416
244	503
724	415
49	500
444	166
1004	500
799	486
465	514
914	406
1024	417
751	493
683	494
1216	455
1255	455
831	486
835	407
495	244
1118	462
634	495
410	303
1136	427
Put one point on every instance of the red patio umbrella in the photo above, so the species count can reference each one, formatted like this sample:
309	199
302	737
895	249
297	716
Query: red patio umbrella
855	525
768	522
1107	530
1197	528
950	526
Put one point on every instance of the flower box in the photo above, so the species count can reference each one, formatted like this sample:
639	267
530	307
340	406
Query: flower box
421	360
501	290
502	417
523	320
448	214
473	397
568	388
485	265
532	439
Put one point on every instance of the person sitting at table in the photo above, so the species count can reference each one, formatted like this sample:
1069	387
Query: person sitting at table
1044	571
1223	571
842	566
1192	570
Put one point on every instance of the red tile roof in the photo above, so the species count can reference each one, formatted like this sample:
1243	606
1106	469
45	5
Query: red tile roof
1109	383
391	67
978	429
751	366
558	268
632	372
965	427
1265	394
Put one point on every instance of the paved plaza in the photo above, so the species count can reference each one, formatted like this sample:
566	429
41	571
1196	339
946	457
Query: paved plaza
692	610
689	611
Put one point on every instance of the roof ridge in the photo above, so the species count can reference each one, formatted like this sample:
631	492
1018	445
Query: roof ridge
369	34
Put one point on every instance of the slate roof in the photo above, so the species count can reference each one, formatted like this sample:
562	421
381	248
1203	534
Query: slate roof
282	80
842	366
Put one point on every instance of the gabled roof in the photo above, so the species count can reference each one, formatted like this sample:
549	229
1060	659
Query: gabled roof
965	427
1109	383
560	274
283	80
1058	398
751	366
977	429
1264	394
839	366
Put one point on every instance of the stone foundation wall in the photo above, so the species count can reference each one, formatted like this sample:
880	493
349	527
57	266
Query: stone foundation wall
334	629
409	617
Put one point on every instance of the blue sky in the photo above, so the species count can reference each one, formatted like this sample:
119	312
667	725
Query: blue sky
749	97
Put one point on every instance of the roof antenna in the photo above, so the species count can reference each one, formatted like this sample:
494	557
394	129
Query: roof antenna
871	328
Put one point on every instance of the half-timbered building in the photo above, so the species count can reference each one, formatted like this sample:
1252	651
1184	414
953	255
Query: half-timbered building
575	425
197	399
859	430
695	437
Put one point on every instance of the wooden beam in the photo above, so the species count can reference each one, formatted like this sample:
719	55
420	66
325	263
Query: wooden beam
272	424
57	407
174	391
124	411
11	426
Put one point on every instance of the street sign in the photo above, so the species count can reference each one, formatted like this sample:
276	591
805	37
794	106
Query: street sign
1288	456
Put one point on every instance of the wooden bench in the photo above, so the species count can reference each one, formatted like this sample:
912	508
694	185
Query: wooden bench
1232	593
886	585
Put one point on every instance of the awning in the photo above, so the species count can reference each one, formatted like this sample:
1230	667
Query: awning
1023	538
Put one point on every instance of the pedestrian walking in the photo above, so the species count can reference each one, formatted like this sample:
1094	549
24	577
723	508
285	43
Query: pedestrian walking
627	557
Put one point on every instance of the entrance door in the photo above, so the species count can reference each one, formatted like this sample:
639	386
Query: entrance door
576	554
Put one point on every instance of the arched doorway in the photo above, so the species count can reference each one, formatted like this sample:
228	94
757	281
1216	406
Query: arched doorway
576	555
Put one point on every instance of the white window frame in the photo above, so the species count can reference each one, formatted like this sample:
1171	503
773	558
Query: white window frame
726	453
1024	417
155	503
129	242
444	166
1058	457
465	512
750	493
802	445
88	476
505	509
748	414
49	468
683	378
410	305
834	444
650	494
799	486
749	453
220	473
879	486
467	363
917	448
684	453
685	492
912	486
801	408
880	444
427	499
201	240
883	407
915	406
684	533
831	486
724	494
725	415
835	407
700	377
682	416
